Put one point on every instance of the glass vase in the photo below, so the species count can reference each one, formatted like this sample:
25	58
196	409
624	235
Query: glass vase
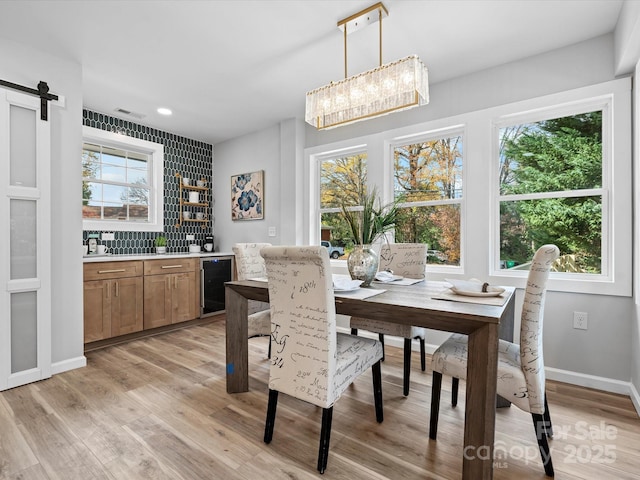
363	264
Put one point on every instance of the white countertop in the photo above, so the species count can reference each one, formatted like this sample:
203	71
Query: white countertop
151	256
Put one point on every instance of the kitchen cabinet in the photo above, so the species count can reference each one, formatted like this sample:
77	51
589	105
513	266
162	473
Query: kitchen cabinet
113	299
171	291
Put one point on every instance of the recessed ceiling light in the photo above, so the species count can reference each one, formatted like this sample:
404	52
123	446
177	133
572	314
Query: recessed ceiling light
164	111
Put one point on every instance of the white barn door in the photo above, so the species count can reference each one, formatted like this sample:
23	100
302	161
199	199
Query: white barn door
25	216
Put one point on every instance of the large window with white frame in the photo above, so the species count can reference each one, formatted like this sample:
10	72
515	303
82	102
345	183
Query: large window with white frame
551	169
427	181
343	181
553	189
122	184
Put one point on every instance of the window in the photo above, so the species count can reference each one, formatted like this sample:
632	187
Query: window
342	181
122	184
427	180
551	191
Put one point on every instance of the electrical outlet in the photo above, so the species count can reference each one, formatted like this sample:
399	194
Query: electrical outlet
580	320
272	231
191	237
108	236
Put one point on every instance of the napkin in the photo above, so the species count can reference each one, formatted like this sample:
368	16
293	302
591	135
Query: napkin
345	283
473	285
386	276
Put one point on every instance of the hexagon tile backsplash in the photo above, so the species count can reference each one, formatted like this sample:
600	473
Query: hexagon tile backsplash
191	158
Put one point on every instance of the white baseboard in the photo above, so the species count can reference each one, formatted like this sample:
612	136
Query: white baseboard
589	381
635	397
70	364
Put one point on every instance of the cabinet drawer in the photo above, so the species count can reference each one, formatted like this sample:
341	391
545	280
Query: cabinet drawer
105	270
170	265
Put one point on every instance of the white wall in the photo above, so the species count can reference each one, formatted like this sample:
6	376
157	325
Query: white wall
27	66
278	151
599	357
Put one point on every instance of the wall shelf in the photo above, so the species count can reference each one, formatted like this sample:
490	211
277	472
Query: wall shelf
194	208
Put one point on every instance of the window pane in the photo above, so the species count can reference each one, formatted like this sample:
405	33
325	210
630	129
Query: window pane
138	213
335	230
138	196
115	211
430	170
114	174
137	176
114	156
573	224
552	155
114	194
437	226
343	179
24	331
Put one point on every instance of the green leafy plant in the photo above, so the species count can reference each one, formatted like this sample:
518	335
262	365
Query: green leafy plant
372	221
161	241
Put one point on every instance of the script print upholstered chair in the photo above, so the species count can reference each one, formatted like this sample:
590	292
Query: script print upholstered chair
521	377
249	264
310	360
407	260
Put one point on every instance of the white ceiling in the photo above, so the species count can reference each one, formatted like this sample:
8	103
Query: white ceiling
230	67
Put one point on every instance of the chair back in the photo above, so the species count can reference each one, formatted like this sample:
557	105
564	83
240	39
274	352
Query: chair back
303	323
249	263
531	358
406	259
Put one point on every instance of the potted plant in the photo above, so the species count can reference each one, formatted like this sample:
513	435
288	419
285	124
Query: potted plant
367	226
161	244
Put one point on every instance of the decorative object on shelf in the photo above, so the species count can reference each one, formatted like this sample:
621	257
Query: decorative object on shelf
247	196
161	244
396	86
367	225
194	204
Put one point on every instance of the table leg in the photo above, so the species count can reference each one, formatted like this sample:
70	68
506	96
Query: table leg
237	348
479	423
506	333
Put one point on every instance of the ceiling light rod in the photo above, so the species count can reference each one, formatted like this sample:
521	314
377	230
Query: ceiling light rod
359	20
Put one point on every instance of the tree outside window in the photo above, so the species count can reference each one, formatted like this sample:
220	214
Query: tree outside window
428	182
551	191
342	180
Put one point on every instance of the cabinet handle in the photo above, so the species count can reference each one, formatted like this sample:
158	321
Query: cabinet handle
108	285
117	270
117	289
171	266
175	282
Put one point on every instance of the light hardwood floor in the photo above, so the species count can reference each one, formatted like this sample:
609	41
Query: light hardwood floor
157	408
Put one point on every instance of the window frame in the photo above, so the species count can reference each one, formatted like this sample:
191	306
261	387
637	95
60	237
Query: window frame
156	180
455	130
480	216
613	99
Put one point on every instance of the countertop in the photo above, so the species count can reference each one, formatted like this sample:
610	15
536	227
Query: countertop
151	256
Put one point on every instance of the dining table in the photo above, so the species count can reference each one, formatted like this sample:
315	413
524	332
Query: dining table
426	304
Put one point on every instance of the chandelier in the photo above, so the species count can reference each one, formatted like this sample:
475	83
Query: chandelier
392	87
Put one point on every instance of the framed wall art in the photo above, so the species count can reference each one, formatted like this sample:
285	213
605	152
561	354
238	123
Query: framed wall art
247	196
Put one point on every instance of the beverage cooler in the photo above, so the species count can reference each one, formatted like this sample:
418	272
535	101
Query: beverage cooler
214	272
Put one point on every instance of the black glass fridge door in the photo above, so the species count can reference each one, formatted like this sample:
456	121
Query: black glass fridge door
216	271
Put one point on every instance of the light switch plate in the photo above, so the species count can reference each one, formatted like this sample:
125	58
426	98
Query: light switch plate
191	236
108	236
272	231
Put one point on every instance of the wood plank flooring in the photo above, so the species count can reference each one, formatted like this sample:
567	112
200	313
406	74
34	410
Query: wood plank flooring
157	408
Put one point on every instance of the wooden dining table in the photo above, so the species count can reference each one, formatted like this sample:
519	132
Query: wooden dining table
408	305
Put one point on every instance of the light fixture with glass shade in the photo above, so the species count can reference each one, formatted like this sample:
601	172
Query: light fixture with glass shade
392	87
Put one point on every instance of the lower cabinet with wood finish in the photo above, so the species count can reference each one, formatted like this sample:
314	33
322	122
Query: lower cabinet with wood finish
113	299
124	297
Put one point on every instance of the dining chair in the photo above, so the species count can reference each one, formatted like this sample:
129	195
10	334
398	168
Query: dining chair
310	360
521	377
249	264
407	260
